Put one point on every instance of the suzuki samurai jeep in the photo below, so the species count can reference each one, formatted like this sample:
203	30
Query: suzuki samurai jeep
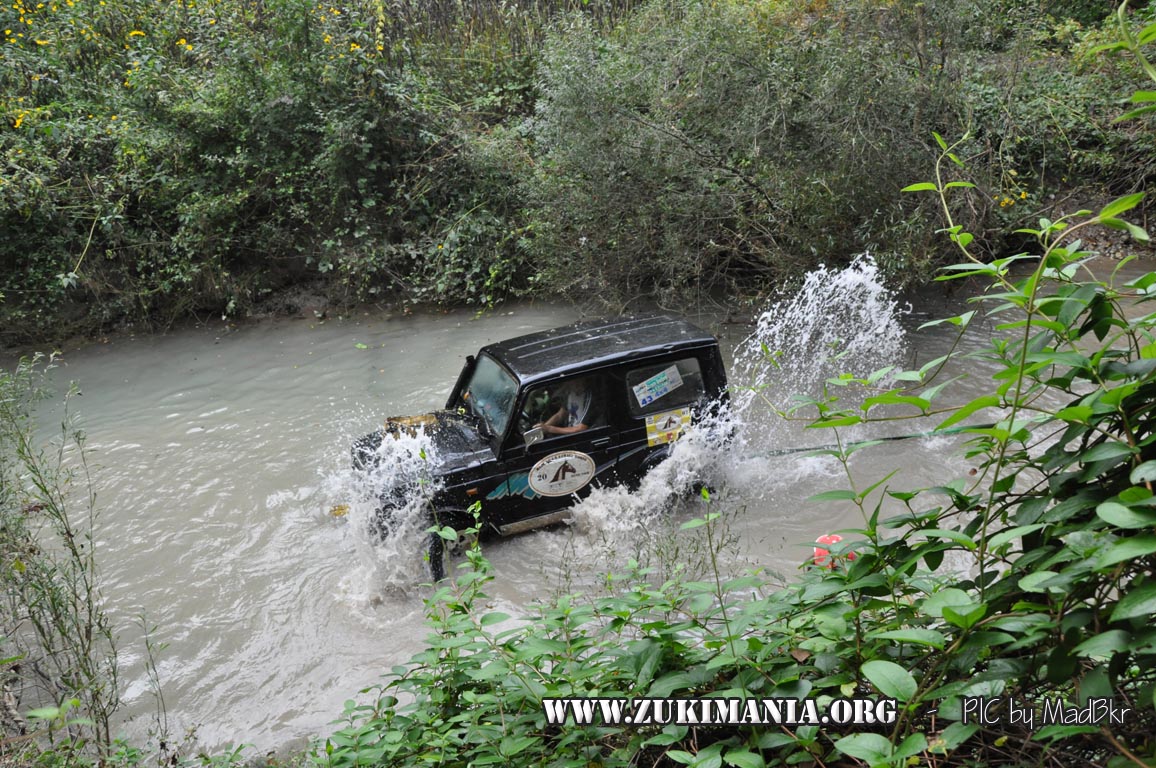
535	422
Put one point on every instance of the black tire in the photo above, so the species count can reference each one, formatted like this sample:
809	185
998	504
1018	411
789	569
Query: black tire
437	557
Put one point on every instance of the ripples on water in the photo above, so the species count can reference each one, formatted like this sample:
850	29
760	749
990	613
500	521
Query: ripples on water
220	454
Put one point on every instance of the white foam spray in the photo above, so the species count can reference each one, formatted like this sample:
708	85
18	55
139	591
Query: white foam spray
840	321
386	508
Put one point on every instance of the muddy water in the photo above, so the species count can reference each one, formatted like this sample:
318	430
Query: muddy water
218	454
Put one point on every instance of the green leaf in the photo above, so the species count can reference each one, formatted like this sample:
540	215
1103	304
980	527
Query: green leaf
1056	732
959	538
912	745
1132	114
839	495
1137	603
1077	413
952	737
44	713
1128	549
1145	473
743	759
939	140
496	617
840	421
1125	517
1110	449
871	747
359	345
1120	205
923	186
1137	233
928	637
671	734
1035	581
965	616
979	403
890	678
1103	645
1011	534
934	604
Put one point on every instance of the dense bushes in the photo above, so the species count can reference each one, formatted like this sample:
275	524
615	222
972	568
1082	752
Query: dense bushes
165	158
708	142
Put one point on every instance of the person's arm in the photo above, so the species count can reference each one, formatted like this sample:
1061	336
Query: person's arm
553	420
550	425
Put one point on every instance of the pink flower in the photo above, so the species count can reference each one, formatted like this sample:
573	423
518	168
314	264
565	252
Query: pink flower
821	555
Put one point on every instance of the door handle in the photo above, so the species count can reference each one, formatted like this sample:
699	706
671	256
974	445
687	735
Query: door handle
601	442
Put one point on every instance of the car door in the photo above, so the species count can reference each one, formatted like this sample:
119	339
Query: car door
546	477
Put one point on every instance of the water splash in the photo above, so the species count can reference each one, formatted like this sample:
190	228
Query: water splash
839	321
385	503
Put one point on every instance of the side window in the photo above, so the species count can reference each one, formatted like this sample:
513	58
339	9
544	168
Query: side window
569	403
659	387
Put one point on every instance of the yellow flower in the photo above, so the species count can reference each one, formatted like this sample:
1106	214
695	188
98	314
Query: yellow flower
380	47
135	32
181	41
327	39
1023	195
113	117
41	42
354	47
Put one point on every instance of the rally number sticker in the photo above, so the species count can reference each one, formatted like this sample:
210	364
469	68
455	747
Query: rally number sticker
661	383
562	473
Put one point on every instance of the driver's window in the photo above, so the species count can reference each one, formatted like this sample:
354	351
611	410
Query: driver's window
567	407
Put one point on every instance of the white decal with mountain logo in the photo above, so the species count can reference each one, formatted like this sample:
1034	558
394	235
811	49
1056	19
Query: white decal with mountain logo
666	427
562	473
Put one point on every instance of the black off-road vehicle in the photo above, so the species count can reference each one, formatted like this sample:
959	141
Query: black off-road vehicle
536	421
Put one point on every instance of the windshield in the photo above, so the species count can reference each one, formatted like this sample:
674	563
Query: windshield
490	394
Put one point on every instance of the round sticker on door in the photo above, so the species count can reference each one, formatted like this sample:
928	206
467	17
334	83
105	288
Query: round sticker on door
561	473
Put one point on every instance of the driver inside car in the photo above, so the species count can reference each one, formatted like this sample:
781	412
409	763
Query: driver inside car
574	412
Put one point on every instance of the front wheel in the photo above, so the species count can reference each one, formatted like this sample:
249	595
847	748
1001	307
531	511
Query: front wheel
437	557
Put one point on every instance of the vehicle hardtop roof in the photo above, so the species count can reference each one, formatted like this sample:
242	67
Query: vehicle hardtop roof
591	343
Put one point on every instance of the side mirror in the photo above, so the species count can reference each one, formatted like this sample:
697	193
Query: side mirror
532	436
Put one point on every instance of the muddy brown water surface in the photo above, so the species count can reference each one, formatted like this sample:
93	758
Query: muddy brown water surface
218	454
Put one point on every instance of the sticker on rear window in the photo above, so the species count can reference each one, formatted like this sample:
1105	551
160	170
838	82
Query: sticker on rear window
666	427
657	385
